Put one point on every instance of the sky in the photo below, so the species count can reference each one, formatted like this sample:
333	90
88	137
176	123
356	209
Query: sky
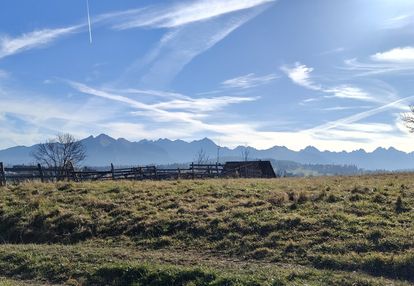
333	74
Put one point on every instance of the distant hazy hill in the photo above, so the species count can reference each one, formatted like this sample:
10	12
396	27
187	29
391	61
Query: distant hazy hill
102	150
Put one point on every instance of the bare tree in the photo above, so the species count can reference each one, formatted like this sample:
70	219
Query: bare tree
408	119
201	157
60	152
245	152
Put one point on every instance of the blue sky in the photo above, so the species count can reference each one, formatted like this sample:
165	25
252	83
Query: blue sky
329	73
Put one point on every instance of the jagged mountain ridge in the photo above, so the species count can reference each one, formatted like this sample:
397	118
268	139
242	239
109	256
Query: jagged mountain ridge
103	149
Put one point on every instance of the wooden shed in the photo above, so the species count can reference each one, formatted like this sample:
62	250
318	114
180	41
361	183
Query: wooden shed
249	169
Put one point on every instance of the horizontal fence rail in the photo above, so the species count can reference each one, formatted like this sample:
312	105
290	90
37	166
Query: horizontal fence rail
247	169
18	174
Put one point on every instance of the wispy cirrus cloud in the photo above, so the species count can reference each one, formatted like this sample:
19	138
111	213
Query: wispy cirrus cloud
349	128
180	108
28	123
369	68
356	128
113	119
181	45
360	133
203	104
188	117
152	93
186	12
340	108
399	60
300	74
350	92
399	22
194	27
248	81
36	39
396	104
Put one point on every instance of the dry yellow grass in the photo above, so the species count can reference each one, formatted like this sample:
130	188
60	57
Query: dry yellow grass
325	227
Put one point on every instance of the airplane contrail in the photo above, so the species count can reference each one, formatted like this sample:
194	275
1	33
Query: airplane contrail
89	22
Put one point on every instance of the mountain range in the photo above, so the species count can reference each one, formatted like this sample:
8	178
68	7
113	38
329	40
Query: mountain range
103	150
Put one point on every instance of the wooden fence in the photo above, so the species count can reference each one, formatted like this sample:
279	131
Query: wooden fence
18	174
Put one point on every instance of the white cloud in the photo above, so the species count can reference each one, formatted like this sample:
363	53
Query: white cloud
398	60
350	92
203	104
195	27
249	81
396	104
36	39
153	93
300	74
349	137
359	134
343	134
97	116
396	55
181	45
339	108
177	15
378	67
158	17
183	116
26	122
398	22
185	109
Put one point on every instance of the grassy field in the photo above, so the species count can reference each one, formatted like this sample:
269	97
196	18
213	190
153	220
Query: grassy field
315	231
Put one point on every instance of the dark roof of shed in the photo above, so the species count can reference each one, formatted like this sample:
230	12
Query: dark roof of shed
265	167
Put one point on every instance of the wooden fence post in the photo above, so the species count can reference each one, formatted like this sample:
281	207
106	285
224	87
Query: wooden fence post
71	172
42	177
2	175
192	170
113	171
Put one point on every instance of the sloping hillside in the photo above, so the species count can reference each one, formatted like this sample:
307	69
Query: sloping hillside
319	231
